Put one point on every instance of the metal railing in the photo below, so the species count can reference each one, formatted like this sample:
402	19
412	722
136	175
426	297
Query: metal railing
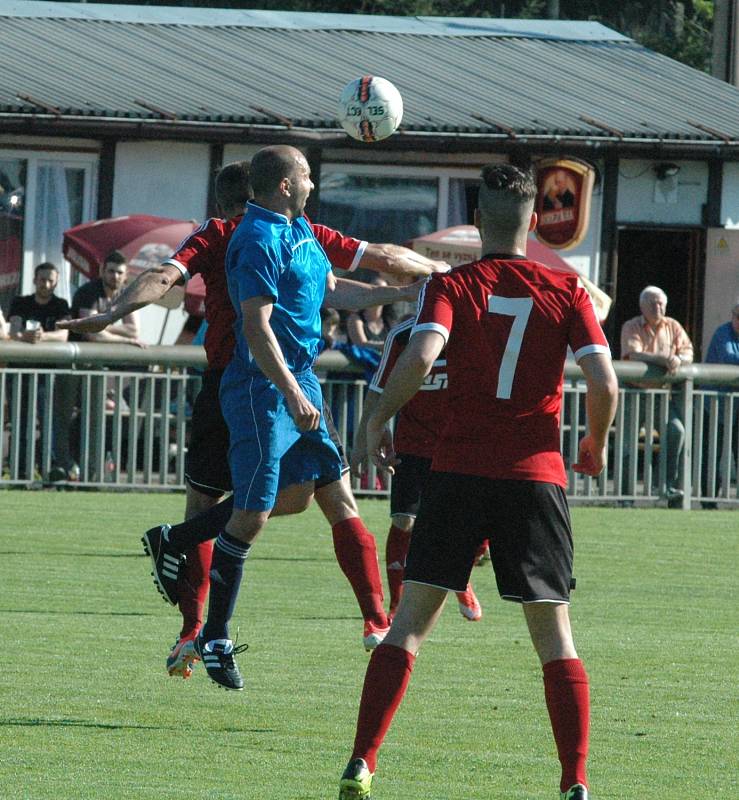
96	415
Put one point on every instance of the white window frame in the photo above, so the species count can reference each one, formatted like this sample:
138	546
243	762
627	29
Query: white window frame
34	159
442	174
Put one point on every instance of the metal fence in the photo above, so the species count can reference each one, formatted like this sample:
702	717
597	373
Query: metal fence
94	415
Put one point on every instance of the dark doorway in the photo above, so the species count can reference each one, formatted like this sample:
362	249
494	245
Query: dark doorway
664	257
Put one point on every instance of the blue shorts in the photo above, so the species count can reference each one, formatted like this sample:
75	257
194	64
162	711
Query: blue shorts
267	450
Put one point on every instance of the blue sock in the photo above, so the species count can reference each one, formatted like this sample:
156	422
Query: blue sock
226	570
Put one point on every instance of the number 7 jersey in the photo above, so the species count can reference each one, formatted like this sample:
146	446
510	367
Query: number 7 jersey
507	323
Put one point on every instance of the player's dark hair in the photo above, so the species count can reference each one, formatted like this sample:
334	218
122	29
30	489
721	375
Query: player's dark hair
506	177
44	265
114	257
232	186
269	166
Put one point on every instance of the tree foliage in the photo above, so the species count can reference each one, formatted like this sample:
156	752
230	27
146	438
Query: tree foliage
681	30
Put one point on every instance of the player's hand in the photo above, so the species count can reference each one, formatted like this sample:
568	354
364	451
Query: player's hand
440	266
591	457
330	282
92	324
381	449
307	417
411	292
358	461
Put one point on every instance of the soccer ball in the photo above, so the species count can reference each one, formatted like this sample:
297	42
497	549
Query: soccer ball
370	109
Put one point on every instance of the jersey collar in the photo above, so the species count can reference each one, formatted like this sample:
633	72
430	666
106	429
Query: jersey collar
273	216
504	257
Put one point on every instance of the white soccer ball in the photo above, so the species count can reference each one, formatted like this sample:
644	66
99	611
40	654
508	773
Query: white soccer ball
370	109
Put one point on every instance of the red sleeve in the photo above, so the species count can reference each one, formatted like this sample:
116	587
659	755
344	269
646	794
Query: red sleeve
435	309
343	252
390	354
585	335
196	252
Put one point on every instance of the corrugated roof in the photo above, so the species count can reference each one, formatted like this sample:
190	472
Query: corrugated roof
458	77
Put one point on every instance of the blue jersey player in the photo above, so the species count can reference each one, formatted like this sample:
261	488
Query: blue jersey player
277	276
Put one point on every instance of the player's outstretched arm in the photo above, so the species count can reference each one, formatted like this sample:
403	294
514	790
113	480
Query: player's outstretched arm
352	295
393	259
146	288
405	380
265	350
600	404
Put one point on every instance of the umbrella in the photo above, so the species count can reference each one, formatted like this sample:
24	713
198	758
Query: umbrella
461	243
146	241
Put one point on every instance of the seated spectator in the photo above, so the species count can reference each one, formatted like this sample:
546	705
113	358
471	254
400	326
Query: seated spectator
95	297
369	328
723	349
33	319
657	339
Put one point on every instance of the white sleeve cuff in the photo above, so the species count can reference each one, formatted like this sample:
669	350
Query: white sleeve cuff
181	267
592	348
431	326
357	256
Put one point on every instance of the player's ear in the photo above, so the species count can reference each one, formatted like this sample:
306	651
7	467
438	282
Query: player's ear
534	221
285	186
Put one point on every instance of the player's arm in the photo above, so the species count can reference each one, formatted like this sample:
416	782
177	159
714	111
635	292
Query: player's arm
394	259
405	380
266	352
350	294
600	406
146	288
358	460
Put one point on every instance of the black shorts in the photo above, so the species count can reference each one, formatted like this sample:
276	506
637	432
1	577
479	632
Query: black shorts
527	523
410	476
206	464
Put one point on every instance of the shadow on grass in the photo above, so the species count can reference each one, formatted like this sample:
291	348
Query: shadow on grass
70	555
65	613
110	726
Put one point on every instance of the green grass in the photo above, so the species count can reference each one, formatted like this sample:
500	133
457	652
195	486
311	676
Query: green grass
87	710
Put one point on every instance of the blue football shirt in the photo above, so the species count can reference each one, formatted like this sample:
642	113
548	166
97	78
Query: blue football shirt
271	256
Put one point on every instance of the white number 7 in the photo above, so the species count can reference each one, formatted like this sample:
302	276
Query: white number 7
519	308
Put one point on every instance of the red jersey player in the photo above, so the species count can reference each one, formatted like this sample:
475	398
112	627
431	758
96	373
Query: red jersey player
417	428
507	323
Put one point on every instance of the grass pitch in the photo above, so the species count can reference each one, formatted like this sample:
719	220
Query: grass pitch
87	710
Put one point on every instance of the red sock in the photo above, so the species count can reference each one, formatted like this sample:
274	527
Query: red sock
385	683
356	552
567	694
192	587
396	549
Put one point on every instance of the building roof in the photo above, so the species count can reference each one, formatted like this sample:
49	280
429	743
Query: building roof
486	80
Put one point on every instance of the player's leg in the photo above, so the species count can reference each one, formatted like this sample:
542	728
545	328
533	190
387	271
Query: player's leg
385	683
356	554
396	550
532	555
439	560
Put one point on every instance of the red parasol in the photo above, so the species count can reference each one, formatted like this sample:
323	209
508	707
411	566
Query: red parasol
461	243
146	241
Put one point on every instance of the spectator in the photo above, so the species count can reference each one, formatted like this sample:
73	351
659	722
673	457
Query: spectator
33	319
369	328
723	349
96	296
657	339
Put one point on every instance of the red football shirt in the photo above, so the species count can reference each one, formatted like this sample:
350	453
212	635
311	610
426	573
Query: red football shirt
420	422
507	323
204	252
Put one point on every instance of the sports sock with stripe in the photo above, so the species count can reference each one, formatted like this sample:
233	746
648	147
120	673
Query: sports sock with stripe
396	550
226	570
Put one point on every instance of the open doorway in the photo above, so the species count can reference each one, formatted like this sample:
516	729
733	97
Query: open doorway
664	257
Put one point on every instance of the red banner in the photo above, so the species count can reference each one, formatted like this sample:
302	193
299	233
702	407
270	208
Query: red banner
563	201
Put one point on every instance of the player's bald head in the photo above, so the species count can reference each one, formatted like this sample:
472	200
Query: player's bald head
506	198
271	165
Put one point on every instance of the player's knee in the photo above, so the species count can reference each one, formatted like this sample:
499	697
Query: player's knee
403	521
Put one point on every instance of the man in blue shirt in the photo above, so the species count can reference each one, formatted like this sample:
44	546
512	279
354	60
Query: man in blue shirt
723	349
277	276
